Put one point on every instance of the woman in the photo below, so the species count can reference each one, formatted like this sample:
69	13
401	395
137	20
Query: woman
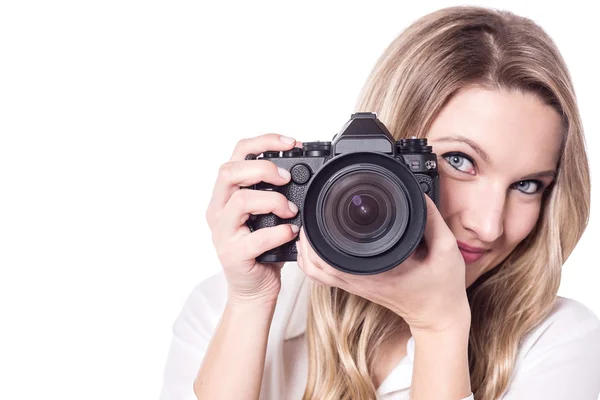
493	96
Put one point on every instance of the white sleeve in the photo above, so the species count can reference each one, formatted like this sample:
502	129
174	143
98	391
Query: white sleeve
192	331
562	360
469	398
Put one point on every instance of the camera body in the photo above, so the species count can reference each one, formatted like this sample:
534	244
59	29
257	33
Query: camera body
360	196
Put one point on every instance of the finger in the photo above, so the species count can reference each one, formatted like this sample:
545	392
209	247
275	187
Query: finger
265	239
438	235
314	271
314	258
317	275
301	264
245	202
234	174
260	144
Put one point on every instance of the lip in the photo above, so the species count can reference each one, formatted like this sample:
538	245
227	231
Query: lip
470	254
470	249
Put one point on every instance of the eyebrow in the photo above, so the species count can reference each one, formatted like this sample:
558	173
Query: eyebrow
542	174
486	157
471	143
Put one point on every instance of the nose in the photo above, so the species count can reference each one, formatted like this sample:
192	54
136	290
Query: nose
485	214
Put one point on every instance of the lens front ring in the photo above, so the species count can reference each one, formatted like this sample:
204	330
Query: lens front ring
336	197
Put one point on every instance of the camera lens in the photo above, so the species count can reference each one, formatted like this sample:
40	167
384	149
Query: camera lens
365	210
363	213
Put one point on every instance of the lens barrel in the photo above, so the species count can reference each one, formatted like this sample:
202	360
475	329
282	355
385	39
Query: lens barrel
364	212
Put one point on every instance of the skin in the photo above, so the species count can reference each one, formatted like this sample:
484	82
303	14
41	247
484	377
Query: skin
482	203
491	197
480	207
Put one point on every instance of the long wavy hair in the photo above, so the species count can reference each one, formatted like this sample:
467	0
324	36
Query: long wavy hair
440	54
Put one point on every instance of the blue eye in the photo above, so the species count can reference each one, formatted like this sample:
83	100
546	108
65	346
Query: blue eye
528	187
459	161
463	163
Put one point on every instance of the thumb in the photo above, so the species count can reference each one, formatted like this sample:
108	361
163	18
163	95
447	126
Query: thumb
437	234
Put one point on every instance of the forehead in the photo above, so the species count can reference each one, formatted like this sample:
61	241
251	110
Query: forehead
514	128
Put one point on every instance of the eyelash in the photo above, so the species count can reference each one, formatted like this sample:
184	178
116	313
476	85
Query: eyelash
539	187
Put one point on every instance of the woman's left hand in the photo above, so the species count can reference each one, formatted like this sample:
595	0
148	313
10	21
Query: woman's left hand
427	290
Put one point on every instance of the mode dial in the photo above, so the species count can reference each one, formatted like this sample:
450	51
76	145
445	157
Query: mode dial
295	152
316	149
413	145
270	154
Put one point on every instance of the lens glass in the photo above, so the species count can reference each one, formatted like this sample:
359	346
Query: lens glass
365	210
362	213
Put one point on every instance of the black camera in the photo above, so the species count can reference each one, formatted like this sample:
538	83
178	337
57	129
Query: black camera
360	197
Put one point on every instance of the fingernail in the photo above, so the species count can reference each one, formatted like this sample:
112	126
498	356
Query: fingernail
284	173
295	228
287	140
293	207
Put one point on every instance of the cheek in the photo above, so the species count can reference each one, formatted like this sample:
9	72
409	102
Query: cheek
519	222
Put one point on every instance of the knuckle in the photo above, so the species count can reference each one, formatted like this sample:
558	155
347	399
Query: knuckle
241	197
226	171
241	144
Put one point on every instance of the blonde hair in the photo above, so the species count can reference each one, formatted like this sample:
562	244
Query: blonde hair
434	58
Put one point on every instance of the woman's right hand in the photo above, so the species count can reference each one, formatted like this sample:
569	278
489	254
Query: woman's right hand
250	281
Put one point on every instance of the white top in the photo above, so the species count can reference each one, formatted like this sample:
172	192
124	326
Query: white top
558	360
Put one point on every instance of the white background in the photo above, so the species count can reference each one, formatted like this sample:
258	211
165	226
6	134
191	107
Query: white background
114	118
